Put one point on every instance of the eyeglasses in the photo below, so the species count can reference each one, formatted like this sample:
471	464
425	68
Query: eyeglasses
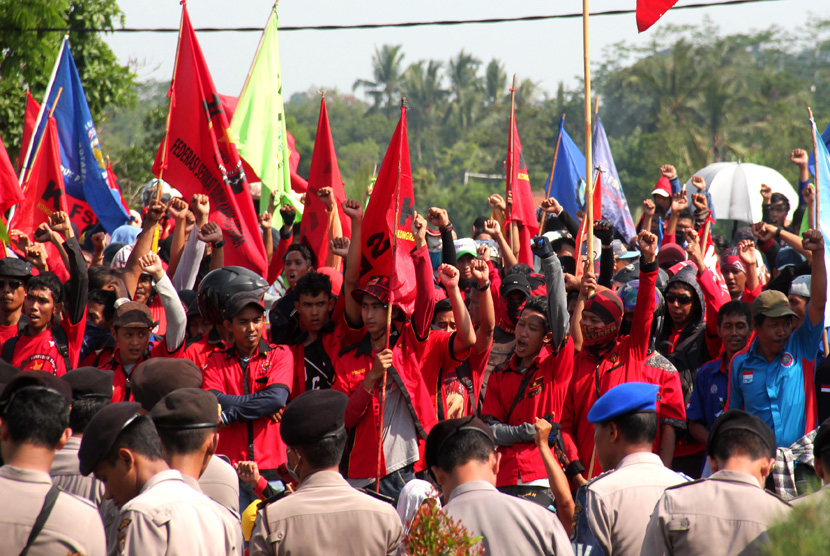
681	299
13	284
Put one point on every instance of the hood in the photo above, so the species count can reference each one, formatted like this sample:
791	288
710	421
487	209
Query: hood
688	276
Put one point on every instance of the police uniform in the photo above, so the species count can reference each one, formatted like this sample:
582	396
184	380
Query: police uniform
728	513
507	524
325	515
612	510
167	516
72	525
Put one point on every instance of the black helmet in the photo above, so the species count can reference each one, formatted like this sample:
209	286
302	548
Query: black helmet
632	272
219	285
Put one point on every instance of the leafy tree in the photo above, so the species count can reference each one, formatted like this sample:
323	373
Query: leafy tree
385	89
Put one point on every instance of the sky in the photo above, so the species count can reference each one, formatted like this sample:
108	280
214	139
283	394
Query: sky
546	51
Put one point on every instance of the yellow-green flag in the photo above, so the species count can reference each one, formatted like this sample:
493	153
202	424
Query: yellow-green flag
258	125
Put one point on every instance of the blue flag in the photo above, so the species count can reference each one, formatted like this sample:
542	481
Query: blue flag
825	137
567	181
822	164
614	205
82	162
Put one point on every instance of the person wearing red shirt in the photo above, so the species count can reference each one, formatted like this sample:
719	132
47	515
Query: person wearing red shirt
605	360
252	382
133	326
533	385
42	345
409	414
14	273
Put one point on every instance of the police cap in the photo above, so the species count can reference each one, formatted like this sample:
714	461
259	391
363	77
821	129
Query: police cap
156	377
102	432
312	416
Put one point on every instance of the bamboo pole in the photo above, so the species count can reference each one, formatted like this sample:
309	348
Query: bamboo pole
552	171
508	195
589	163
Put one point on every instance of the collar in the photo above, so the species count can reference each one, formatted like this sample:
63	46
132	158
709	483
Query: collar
515	361
25	475
72	445
730	476
161	476
263	348
364	347
324	478
639	458
191	482
301	337
470	487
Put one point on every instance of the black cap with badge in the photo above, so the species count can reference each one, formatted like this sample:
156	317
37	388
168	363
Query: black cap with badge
313	416
515	282
737	419
102	432
186	408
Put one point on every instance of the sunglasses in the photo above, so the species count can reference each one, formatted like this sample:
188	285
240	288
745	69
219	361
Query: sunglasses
681	299
13	284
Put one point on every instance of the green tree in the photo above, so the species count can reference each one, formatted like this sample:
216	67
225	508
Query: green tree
426	98
387	64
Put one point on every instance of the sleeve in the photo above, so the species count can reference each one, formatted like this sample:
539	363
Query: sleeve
194	250
278	259
359	402
558	316
251	406
282	367
424	296
569	222
655	542
259	537
736	396
78	281
598	532
212	376
492	405
448	255
606	266
798	216
643	311
750	295
695	409
507	435
807	337
567	423
139	535
174	312
672	404
675	185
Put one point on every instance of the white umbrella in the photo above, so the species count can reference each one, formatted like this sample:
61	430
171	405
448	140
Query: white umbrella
735	188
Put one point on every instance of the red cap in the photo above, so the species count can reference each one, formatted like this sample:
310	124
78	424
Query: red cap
663	187
377	286
335	277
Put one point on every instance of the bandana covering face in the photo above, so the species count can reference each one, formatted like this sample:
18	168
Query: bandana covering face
513	311
599	335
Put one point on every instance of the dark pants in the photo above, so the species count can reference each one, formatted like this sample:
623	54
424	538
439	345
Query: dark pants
392	484
537	494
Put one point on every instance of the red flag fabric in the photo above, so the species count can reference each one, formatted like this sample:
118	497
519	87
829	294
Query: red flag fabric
43	194
580	237
314	227
200	157
381	220
523	209
10	192
649	11
32	110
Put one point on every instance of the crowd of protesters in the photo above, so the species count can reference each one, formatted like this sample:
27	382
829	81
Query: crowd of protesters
663	399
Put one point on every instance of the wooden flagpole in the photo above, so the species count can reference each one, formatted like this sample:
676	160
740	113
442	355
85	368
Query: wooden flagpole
550	182
389	302
512	230
824	342
589	162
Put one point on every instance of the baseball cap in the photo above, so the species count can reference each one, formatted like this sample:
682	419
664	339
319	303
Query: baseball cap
15	268
801	285
133	314
515	282
239	301
377	286
622	252
670	254
772	303
788	256
662	187
465	246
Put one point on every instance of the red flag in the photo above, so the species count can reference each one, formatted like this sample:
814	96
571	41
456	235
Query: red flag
580	237
43	194
523	210
10	193
200	158
314	228
649	11
112	180
392	188
32	110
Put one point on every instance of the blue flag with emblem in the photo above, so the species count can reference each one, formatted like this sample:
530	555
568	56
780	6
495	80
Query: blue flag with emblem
614	205
567	180
82	162
822	167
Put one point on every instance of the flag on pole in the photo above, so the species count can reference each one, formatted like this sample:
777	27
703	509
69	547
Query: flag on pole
258	125
568	174
29	124
315	226
384	217
112	180
649	11
523	210
613	198
43	194
197	155
10	192
825	138
583	229
82	162
823	200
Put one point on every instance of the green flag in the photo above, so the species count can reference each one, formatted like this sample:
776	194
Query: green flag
258	125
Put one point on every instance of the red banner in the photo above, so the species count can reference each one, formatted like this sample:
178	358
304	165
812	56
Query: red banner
649	11
10	193
314	228
389	211
32	109
200	158
523	210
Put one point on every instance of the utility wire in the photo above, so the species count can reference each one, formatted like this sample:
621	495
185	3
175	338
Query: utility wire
449	22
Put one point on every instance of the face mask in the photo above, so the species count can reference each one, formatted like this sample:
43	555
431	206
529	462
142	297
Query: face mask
599	335
293	472
95	336
435	259
513	311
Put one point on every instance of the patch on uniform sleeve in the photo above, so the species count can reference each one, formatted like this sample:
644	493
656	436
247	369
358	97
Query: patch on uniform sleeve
122	533
535	387
124	524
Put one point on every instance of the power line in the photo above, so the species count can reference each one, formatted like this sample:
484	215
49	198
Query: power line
443	23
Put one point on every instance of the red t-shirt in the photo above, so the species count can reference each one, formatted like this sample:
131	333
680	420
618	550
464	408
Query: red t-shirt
271	366
200	350
438	361
544	396
121	377
39	353
7	332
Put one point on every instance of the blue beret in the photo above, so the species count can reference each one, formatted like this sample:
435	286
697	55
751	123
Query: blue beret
631	396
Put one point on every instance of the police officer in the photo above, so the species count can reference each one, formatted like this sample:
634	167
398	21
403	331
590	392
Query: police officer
729	512
612	510
160	513
461	455
325	515
187	421
156	378
34	422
